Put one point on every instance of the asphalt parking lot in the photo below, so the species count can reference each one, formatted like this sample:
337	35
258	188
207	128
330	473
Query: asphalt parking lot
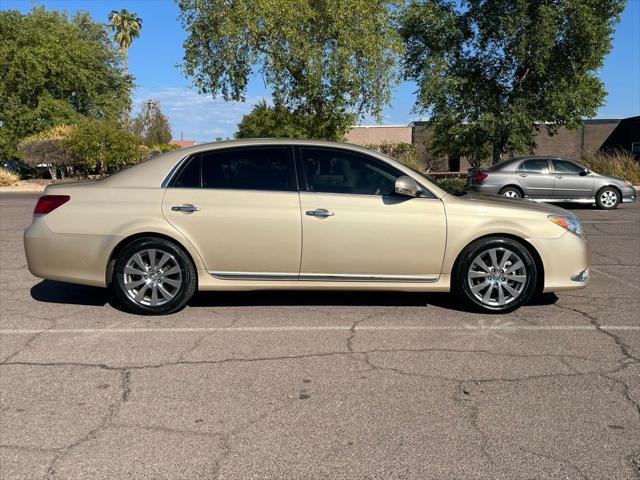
304	386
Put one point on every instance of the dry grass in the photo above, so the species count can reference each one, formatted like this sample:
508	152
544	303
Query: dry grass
617	163
7	178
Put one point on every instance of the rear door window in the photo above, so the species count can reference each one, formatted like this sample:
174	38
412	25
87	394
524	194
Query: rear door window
246	168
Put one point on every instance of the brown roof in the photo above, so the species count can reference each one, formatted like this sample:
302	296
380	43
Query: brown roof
183	143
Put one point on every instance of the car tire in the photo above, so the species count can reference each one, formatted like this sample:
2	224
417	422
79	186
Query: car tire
607	198
511	192
153	276
487	281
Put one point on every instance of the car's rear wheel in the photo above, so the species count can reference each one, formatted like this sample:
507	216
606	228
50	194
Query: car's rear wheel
153	276
511	192
495	274
607	198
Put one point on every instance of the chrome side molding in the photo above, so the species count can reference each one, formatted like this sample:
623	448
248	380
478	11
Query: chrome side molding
323	277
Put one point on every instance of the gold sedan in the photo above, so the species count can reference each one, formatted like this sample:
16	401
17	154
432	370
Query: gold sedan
295	214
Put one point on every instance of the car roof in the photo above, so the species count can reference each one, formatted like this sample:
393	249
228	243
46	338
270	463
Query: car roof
512	162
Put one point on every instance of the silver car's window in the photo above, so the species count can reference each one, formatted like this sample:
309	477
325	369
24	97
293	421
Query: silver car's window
562	166
538	165
339	171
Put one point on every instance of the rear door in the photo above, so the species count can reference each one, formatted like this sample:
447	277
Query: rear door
240	209
569	183
535	178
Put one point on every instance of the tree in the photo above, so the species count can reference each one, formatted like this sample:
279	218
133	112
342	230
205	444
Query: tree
326	60
53	69
151	126
126	26
49	148
103	146
266	121
507	68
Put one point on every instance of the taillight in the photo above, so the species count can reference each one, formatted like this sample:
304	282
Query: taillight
479	177
48	203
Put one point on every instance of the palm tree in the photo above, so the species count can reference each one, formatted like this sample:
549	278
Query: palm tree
126	26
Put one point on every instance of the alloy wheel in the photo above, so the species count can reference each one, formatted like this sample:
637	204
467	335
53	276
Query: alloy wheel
497	277
152	277
511	194
608	198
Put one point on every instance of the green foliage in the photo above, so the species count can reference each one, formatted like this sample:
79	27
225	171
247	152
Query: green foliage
450	184
126	26
103	146
617	163
54	69
322	60
151	126
503	65
166	147
277	121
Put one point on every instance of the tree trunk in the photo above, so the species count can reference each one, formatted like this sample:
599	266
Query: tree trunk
497	153
52	171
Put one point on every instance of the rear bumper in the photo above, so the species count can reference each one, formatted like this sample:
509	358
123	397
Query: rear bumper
480	188
564	259
68	258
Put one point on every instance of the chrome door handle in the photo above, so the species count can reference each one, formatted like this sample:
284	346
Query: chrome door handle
320	212
187	208
559	176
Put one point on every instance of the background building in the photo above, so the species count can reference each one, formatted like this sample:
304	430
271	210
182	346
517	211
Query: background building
593	136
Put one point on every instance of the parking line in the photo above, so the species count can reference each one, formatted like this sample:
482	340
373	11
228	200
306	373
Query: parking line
297	328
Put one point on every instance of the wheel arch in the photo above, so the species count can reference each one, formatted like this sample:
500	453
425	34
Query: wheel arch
514	186
135	236
530	248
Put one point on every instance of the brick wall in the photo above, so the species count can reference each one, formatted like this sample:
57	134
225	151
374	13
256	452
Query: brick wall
566	143
377	135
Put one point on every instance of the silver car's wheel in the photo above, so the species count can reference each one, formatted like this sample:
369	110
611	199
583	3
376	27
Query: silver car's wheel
608	198
511	192
152	277
497	277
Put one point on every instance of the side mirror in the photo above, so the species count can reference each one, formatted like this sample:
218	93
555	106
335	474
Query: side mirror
584	172
406	186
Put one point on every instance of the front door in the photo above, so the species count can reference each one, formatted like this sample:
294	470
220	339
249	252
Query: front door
356	229
240	209
570	180
535	178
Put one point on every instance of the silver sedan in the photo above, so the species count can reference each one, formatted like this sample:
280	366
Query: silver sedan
546	179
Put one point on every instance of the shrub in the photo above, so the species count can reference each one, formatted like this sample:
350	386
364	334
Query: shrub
454	184
617	163
49	147
402	152
7	178
103	146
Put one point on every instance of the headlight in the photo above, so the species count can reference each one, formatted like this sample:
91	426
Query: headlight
570	222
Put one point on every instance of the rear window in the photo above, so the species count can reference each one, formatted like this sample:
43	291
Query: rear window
535	165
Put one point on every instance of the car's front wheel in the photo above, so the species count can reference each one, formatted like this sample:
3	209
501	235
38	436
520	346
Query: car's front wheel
495	274
607	198
153	276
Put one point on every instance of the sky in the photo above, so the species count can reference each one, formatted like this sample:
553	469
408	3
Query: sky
154	60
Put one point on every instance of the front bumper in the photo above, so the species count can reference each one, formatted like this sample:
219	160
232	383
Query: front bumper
629	194
564	260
